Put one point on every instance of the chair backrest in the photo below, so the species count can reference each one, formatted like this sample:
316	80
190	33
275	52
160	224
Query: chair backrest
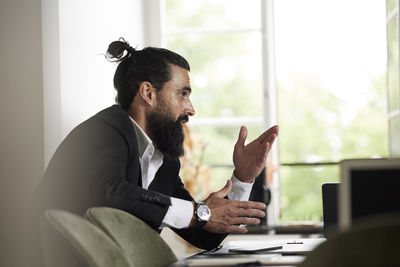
141	244
70	240
373	241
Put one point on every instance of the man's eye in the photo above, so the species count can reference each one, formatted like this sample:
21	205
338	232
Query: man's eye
183	94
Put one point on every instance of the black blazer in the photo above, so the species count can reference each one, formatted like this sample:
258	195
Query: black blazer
98	165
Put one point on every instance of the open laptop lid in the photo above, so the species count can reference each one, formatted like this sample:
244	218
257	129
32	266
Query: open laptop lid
368	186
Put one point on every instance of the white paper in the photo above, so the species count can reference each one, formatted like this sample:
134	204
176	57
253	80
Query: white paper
299	245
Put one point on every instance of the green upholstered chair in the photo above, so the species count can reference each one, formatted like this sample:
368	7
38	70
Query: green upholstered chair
373	241
141	244
70	240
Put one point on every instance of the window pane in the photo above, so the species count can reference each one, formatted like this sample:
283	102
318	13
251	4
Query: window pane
225	73
395	136
225	76
393	64
391	5
316	125
331	79
219	176
301	195
219	142
212	14
201	183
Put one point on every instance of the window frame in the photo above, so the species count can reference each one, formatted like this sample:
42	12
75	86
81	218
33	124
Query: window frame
392	115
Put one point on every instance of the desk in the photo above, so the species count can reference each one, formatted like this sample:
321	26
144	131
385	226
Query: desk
270	259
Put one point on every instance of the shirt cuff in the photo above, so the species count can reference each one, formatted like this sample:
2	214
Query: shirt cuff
240	190
179	214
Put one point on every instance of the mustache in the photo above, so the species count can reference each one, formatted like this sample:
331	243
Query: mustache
183	118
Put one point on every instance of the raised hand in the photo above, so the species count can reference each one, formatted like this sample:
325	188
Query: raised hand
249	160
227	215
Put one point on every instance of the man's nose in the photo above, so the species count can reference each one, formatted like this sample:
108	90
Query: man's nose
189	109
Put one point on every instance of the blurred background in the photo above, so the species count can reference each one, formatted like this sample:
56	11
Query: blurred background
327	72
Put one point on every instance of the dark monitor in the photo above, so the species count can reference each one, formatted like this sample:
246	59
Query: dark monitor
330	193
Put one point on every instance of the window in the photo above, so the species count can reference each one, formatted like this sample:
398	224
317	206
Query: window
330	67
393	86
225	57
329	60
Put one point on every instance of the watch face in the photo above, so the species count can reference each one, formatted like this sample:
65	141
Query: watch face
203	212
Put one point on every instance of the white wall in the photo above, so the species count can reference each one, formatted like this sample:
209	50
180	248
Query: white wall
77	77
44	95
21	120
53	75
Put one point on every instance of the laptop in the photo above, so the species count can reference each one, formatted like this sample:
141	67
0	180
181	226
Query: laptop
368	187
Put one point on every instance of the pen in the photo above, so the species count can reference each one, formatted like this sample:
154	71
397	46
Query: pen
294	243
255	250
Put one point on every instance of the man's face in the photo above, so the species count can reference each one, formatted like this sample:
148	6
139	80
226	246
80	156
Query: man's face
175	94
172	110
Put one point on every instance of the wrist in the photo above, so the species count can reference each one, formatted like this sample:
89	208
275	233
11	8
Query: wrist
194	219
241	178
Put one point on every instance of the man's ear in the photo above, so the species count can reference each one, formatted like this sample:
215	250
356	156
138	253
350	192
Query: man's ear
147	92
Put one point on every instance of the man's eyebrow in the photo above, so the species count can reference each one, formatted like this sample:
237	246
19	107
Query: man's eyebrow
187	88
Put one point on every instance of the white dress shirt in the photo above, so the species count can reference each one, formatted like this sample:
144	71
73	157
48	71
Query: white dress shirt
180	212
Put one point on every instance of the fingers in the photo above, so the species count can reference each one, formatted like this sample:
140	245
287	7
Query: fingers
239	214
250	213
247	209
249	205
267	147
269	135
245	221
242	136
225	190
240	225
271	139
227	215
236	229
232	225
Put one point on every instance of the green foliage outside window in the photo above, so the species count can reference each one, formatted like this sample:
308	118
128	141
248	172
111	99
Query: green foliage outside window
316	124
316	128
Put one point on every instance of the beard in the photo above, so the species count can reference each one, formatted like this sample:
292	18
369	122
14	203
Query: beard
167	133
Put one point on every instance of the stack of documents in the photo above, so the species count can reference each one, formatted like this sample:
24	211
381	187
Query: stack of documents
281	246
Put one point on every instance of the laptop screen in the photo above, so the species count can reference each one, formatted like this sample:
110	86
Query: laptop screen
374	191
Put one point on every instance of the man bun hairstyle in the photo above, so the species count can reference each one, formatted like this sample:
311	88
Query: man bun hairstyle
136	66
117	48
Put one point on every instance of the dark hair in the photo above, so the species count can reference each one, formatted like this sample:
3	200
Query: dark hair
135	66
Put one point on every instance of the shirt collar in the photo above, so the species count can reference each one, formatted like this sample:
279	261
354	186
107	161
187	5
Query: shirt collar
143	139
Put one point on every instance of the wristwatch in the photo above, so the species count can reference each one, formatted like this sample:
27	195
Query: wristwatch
202	213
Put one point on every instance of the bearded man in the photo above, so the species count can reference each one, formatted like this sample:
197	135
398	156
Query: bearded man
127	156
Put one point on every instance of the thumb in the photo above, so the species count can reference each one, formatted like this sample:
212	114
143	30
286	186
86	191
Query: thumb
242	136
225	190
